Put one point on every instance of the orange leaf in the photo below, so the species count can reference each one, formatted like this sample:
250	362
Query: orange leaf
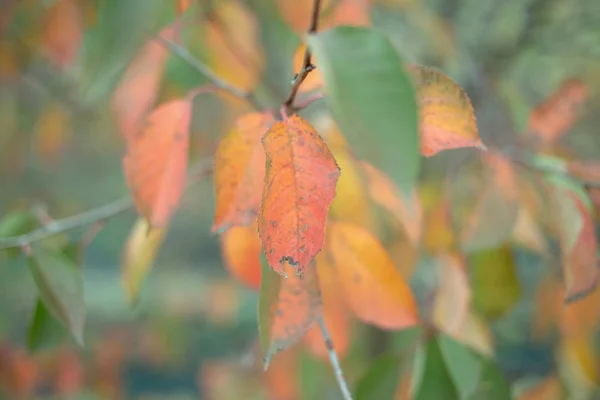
585	170
547	389
240	171
447	120
300	180
385	193
63	32
138	87
241	249
282	379
335	313
288	308
297	13
232	44
554	117
156	160
374	290
349	12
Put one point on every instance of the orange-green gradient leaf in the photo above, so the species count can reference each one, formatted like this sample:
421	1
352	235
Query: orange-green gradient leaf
301	175
558	113
156	160
287	308
241	248
240	171
446	116
138	88
373	288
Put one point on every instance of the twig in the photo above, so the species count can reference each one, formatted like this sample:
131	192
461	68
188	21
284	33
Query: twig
335	362
307	102
209	73
307	65
200	169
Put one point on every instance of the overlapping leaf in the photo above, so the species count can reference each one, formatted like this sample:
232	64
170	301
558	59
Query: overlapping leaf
406	209
372	99
156	160
232	44
137	91
335	312
288	308
241	249
373	288
446	116
576	232
240	171
301	175
140	252
497	208
453	298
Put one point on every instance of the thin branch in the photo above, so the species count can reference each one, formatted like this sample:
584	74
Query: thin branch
335	362
307	65
209	73
307	102
66	224
199	170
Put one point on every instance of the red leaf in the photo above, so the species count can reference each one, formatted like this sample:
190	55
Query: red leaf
555	116
301	175
156	160
240	172
138	88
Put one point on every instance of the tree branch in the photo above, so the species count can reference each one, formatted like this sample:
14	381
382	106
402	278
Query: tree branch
335	362
209	73
307	65
199	170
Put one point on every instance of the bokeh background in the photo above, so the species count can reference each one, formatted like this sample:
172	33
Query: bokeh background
193	333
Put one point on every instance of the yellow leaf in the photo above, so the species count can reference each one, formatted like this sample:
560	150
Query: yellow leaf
232	40
374	290
447	119
139	255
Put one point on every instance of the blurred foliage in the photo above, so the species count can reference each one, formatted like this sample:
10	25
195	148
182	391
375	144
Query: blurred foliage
193	332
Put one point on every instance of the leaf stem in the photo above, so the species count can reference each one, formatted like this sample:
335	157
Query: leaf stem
209	73
307	65
95	215
335	362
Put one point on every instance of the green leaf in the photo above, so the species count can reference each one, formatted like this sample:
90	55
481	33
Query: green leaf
44	330
435	380
60	286
452	370
14	224
372	98
381	380
496	286
269	292
492	384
